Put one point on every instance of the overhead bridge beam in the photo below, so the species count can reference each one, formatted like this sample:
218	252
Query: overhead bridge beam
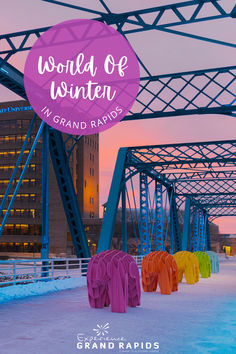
159	19
171	95
172	98
162	18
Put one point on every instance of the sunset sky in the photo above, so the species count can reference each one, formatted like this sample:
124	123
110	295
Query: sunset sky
162	53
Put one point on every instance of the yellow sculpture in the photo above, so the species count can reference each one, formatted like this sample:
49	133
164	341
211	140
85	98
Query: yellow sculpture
227	250
188	265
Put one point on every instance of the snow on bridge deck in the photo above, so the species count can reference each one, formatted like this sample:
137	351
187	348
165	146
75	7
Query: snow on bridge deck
199	318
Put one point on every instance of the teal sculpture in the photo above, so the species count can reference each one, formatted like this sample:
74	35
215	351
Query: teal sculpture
214	258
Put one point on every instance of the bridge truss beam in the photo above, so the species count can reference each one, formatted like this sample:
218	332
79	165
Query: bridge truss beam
162	18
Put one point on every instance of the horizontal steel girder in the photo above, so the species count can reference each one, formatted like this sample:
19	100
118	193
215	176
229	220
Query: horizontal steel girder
198	156
131	21
210	91
162	96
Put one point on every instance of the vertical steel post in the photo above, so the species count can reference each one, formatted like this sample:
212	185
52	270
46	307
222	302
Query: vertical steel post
201	240
45	195
159	220
186	227
174	223
112	204
195	230
124	220
190	239
171	234
69	198
208	236
144	232
14	273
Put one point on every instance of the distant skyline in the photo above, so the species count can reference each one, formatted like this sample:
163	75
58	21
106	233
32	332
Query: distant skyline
162	53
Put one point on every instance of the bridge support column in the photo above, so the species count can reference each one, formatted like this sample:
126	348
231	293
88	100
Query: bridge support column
174	224
144	232
124	220
195	230
159	222
112	204
207	235
67	191
186	228
45	197
201	233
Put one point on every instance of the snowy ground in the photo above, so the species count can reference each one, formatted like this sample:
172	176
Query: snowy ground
199	318
13	292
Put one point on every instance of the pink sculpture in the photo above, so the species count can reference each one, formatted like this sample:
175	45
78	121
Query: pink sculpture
113	278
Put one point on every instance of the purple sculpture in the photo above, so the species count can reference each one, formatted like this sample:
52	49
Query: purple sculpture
113	278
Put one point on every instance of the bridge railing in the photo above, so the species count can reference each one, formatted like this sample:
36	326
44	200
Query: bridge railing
138	260
33	270
23	271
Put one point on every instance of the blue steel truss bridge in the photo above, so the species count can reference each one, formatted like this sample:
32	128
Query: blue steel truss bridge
155	183
199	177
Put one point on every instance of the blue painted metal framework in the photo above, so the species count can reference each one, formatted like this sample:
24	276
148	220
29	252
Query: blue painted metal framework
159	236
144	225
198	176
209	91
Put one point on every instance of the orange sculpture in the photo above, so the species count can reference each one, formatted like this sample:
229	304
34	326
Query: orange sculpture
159	267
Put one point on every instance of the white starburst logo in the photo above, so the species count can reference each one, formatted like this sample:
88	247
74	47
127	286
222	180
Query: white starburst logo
101	330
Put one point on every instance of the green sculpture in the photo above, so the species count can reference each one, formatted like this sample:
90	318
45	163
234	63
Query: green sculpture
204	264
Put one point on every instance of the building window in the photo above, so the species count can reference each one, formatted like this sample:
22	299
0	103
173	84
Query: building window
23	213
29	181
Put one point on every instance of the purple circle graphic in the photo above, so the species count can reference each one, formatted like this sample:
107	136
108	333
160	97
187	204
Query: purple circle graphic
81	77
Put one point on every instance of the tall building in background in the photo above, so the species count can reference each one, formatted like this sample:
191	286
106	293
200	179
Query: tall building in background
24	226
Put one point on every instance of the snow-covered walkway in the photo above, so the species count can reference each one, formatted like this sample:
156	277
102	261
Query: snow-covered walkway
199	318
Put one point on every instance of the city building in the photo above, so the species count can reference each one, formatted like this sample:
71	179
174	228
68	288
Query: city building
24	226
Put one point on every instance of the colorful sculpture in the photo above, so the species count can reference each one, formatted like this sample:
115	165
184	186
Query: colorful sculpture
113	278
204	263
188	266
227	250
159	267
214	258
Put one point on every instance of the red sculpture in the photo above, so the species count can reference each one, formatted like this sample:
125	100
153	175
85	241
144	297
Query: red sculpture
113	278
